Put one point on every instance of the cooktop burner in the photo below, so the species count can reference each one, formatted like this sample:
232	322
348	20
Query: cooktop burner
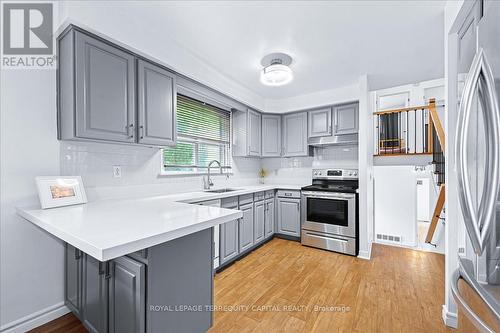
332	188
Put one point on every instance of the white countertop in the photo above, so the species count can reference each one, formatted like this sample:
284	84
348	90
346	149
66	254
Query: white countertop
191	197
109	229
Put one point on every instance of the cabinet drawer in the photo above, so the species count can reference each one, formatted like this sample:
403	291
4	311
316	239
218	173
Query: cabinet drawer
246	198
231	202
258	196
269	194
288	194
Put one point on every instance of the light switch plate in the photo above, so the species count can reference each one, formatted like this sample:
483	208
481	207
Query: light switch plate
117	171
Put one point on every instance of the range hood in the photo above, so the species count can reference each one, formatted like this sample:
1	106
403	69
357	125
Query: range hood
334	140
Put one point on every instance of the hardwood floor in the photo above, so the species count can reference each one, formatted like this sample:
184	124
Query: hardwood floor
286	287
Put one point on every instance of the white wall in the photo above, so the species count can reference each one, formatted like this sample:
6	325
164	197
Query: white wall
31	280
348	93
453	232
396	202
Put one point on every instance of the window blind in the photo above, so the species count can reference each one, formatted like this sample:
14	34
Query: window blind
203	135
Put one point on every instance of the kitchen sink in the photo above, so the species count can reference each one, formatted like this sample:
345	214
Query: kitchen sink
222	190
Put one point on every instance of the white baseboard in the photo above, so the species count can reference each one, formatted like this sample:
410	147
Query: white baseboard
36	319
449	318
366	254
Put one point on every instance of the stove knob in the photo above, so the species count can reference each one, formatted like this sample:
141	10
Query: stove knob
319	173
355	174
315	173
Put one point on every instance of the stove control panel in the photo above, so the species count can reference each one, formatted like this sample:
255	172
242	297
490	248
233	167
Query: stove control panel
335	174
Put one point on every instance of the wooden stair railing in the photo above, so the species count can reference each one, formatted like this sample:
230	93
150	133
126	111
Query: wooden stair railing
393	128
438	128
437	214
436	123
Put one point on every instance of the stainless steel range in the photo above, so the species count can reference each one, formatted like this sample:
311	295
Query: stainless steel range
330	211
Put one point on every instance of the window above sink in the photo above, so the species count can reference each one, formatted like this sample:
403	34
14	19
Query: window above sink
203	135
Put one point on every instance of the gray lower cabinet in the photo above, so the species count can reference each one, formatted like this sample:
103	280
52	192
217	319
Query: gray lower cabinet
229	244
96	89
127	296
269	218
295	134
246	226
288	216
73	280
259	220
95	295
180	273
157	104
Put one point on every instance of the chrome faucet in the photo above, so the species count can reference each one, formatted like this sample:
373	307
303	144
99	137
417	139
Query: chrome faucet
208	183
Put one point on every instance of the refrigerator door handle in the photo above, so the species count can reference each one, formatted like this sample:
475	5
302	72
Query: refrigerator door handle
478	221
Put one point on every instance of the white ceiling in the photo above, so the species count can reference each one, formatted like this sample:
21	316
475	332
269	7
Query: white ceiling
332	43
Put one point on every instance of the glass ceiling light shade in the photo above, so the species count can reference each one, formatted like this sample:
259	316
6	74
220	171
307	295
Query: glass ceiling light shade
276	75
276	71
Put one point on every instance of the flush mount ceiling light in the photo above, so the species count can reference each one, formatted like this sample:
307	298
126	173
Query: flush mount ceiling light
276	71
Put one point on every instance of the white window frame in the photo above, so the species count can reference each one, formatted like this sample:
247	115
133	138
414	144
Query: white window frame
196	172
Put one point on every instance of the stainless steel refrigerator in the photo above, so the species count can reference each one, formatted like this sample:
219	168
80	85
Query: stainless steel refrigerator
478	167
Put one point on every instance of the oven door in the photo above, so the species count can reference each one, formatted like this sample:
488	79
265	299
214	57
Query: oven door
333	213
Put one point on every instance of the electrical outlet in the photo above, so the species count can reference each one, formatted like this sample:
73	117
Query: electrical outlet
117	171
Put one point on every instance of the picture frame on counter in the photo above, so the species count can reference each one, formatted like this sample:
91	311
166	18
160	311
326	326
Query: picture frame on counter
58	191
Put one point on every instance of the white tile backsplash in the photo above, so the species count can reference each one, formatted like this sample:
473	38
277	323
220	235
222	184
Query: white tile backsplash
297	170
140	171
141	167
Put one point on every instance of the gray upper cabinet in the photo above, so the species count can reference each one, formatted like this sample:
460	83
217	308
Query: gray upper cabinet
105	91
127	296
345	119
289	217
320	122
95	295
269	218
271	135
73	285
156	105
247	129
254	133
295	134
259	220
246	227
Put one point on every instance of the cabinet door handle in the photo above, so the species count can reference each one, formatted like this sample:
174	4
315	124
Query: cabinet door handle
107	275
77	254
288	194
130	130
142	131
